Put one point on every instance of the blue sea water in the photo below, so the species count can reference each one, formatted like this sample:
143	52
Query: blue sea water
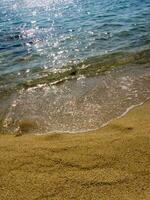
45	41
53	33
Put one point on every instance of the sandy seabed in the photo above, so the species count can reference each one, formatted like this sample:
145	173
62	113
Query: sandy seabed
110	163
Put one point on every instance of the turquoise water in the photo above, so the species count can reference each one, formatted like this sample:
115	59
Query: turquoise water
50	41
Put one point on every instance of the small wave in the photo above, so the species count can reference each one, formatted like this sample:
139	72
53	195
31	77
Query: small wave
82	104
90	67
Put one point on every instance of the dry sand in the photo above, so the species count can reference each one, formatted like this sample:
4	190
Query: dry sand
110	163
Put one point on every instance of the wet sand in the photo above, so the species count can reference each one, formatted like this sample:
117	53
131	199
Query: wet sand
110	163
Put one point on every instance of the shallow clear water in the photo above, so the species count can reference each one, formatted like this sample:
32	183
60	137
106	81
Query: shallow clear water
50	41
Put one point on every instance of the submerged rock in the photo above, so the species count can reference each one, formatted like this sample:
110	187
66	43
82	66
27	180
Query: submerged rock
27	125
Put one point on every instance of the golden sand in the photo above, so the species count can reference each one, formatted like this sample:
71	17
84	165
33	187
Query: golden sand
110	163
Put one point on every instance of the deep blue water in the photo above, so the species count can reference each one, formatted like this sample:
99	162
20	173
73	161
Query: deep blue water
41	34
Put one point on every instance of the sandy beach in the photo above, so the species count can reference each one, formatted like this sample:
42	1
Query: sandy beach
110	163
74	100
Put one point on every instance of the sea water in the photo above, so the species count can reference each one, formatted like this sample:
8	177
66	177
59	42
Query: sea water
71	65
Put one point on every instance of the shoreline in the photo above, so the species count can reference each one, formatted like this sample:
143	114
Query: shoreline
75	106
128	110
111	163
